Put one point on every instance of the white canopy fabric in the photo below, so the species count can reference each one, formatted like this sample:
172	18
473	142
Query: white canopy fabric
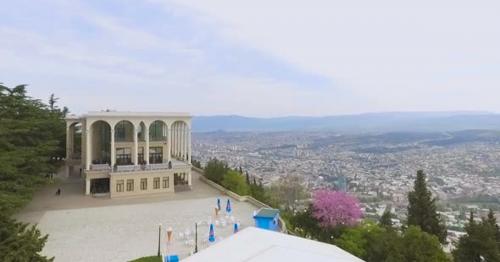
254	244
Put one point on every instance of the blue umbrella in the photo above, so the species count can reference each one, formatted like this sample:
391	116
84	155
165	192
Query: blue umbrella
228	206
236	227
211	234
218	203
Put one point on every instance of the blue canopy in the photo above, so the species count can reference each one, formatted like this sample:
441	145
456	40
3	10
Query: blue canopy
171	258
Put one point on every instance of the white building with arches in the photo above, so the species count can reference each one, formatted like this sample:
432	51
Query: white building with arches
130	153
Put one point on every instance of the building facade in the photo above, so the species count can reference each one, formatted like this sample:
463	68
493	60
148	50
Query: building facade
130	153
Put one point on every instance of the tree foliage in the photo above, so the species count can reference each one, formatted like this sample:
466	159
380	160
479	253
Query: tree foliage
420	246
481	243
303	223
260	193
374	243
235	182
422	209
32	142
286	191
386	219
20	242
333	208
216	169
196	163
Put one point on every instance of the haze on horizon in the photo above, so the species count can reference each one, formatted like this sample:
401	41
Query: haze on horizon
256	58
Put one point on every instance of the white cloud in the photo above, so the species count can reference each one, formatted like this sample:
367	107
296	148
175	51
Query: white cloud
398	55
379	56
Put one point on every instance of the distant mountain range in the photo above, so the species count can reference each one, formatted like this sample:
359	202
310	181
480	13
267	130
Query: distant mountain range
362	123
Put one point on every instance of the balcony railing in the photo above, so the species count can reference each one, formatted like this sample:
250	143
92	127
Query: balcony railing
100	167
133	168
126	168
159	166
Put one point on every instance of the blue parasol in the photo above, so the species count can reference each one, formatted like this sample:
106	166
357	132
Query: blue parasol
228	206
236	227
211	234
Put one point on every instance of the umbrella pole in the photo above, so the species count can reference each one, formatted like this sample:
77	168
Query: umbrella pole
195	238
159	239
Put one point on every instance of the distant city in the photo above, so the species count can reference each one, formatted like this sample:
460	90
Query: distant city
463	167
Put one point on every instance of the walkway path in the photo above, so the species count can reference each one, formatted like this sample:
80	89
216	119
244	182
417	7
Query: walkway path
84	228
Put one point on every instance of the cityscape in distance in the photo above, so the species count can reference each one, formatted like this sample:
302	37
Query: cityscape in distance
463	166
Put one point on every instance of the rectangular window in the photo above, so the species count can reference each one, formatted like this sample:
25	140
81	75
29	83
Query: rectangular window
155	155
165	182
130	185
123	156
119	185
144	183
156	183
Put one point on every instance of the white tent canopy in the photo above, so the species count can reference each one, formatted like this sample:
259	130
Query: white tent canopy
254	244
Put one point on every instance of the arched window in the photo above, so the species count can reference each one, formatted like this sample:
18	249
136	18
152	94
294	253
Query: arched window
124	131
157	131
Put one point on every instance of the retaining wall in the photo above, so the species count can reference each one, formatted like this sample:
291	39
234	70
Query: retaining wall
230	193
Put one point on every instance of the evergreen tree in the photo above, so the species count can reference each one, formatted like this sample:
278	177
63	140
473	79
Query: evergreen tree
480	242
422	209
492	221
216	169
32	138
386	219
247	178
20	242
235	182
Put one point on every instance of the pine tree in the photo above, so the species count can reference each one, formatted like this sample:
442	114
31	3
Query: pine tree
480	242
248	178
492	222
216	169
20	242
386	219
422	209
32	137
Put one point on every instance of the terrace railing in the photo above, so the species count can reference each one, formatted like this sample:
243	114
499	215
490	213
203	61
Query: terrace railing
158	166
150	167
127	168
100	167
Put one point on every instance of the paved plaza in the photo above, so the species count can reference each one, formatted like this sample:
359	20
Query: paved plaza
83	228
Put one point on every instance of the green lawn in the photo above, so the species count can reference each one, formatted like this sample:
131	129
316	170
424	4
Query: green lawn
148	259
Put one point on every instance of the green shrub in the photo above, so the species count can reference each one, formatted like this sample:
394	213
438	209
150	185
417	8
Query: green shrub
235	182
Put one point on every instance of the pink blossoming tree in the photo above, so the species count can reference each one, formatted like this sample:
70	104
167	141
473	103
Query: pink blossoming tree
333	208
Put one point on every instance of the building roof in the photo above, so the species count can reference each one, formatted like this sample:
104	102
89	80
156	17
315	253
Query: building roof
254	244
267	213
129	113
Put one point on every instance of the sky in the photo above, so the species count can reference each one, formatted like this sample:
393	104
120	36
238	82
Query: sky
255	58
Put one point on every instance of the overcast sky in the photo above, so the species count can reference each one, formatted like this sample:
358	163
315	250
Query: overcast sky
255	58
